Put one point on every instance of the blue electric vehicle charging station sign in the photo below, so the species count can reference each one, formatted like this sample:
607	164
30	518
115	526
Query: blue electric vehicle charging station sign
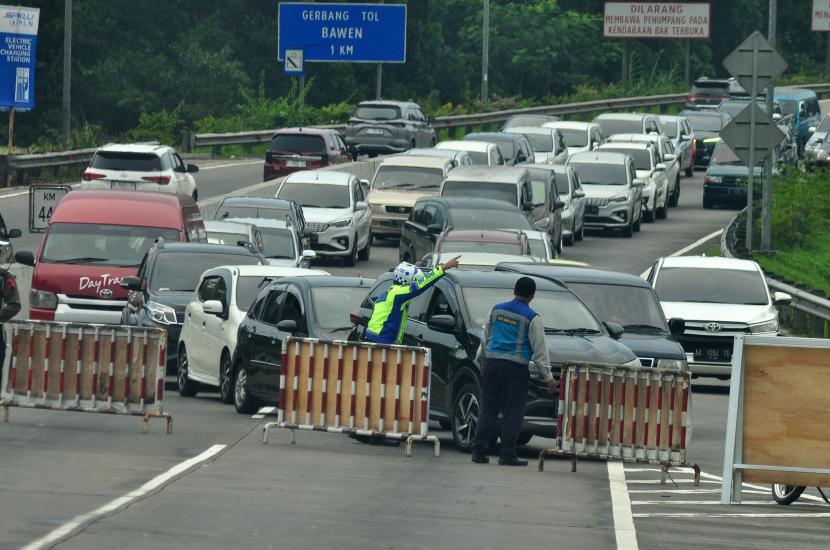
18	44
357	33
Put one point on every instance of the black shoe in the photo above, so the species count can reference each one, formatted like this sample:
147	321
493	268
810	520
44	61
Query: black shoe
480	459
514	461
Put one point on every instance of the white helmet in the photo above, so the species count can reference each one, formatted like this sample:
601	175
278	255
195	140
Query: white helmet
405	273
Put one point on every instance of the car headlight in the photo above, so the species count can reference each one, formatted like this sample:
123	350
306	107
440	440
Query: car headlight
376	208
672	364
42	299
633	363
341	223
766	326
712	179
821	154
160	313
542	224
620	198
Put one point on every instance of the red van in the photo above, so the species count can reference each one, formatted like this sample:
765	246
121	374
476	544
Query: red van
96	238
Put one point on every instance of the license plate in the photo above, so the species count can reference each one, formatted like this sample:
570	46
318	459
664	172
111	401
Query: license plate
374	132
716	355
592	210
122	185
295	163
392	223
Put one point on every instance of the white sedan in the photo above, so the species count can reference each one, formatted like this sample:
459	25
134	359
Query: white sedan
208	337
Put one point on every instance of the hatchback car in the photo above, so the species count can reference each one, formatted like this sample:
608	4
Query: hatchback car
431	216
482	153
679	130
515	148
166	279
262	207
313	307
548	144
135	167
449	318
706	126
6	236
628	123
293	149
719	298
384	127
579	136
613	194
222	298
335	209
651	170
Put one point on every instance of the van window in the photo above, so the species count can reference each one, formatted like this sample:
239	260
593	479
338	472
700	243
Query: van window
505	192
126	162
101	244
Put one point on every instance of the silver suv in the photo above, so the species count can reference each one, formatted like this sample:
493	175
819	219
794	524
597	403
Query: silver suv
384	127
613	194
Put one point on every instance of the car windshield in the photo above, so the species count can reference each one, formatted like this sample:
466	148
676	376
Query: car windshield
180	271
407	178
723	154
101	244
377	112
504	192
715	286
269	213
332	305
514	249
558	310
277	243
702	123
316	195
641	157
594	173
540	143
126	162
536	248
611	126
824	126
226	237
635	308
481	218
247	289
575	138
298	143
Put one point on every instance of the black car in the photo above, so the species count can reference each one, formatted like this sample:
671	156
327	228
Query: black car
165	282
624	299
706	126
431	216
515	148
264	207
6	235
449	319
313	307
528	120
707	93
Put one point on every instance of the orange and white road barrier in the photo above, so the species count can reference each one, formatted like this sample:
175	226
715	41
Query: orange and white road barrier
86	368
356	388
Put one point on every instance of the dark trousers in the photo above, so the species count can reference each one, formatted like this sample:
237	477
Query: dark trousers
504	389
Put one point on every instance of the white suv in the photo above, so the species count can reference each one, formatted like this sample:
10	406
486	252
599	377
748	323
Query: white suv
208	337
666	152
136	167
651	171
335	209
718	298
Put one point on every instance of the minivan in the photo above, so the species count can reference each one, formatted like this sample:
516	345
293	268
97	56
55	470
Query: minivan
804	108
510	184
96	238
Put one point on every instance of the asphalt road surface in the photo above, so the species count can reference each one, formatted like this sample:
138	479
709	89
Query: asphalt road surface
93	481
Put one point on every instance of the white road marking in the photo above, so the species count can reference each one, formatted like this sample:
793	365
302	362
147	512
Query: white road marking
257	416
230	165
685	249
624	531
668	482
690	491
79	522
765	490
715	502
731	515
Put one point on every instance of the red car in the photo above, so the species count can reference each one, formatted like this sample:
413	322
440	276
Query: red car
293	149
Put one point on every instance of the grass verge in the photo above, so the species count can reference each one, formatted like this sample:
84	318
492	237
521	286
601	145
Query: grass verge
808	264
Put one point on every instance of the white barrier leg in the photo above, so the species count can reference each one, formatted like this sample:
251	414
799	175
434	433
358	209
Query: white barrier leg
5	413
265	432
407	450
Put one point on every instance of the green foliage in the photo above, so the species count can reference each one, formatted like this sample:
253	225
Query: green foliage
164	126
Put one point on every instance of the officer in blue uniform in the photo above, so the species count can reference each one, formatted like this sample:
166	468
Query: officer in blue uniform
513	336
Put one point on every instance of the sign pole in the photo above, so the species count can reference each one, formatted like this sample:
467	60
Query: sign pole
625	66
766	205
687	62
378	82
301	91
751	179
485	52
827	59
11	129
67	69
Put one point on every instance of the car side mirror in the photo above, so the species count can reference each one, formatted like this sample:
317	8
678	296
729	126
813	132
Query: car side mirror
360	316
130	283
25	257
287	325
434	229
364	183
558	203
810	130
578	194
308	254
781	298
677	326
685	137
213	307
442	323
668	157
14	234
192	168
615	330
360	206
637	183
660	167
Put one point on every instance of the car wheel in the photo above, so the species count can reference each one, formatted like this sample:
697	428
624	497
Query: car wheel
663	211
707	202
559	246
350	259
569	240
648	216
186	386
581	235
364	254
639	221
226	379
195	195
465	409
675	197
627	231
243	401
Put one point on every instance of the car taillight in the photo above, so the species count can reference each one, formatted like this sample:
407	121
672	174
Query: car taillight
91	176
161	180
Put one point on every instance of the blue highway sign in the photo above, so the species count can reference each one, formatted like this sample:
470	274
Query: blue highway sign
18	43
362	33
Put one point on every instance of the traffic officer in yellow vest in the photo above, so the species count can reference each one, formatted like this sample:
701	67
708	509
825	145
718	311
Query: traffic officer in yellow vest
9	307
513	336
